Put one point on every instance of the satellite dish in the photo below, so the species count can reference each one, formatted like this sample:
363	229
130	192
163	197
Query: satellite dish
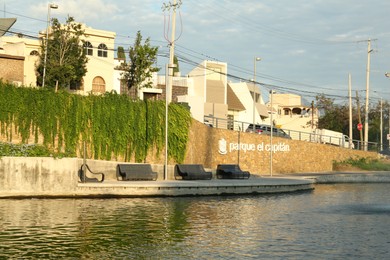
6	24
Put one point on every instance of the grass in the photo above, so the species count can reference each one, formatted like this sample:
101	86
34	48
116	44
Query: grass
363	164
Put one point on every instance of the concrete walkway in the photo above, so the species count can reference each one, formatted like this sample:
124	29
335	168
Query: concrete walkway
346	177
254	185
194	188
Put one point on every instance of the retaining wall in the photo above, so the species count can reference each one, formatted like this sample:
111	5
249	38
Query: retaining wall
212	146
206	147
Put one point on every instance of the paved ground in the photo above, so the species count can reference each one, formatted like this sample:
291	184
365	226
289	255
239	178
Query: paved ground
194	188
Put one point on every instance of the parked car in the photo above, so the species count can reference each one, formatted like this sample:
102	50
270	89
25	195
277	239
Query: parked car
266	129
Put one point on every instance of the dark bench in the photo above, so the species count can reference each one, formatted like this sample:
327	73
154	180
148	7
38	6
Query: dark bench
83	176
231	171
134	172
192	172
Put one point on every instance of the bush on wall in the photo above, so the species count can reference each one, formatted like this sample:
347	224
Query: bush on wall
112	125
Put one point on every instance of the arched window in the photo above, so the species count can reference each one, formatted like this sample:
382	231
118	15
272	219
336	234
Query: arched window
88	48
34	53
102	50
98	85
296	111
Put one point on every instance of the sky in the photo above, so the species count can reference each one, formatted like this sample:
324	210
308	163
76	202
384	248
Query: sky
306	47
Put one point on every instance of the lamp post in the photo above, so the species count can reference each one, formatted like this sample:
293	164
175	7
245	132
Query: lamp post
387	74
168	78
50	6
256	59
272	131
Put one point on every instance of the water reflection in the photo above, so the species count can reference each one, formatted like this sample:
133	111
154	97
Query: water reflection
334	221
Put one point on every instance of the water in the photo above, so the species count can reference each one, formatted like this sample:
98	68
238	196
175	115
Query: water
341	221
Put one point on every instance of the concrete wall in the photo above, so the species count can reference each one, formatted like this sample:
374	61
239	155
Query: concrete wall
206	146
293	155
46	176
31	176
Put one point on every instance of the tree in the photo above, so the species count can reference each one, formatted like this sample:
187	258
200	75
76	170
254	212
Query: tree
140	68
176	62
121	53
335	116
374	123
66	59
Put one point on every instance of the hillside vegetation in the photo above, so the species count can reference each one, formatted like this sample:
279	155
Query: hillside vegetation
112	126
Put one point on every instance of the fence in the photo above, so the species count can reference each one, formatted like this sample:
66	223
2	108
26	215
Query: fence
230	124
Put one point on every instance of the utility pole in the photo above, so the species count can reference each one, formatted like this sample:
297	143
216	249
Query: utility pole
369	50
312	115
359	117
169	76
171	41
381	127
350	110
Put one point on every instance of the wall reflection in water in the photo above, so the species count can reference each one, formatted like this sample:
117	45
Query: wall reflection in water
301	225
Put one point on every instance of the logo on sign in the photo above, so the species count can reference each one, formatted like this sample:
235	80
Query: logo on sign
222	148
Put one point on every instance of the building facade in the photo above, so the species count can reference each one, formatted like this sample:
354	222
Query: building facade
99	47
27	50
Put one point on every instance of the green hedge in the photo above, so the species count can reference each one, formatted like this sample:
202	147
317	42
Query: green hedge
112	125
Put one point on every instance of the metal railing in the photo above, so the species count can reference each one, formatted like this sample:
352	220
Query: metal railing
224	123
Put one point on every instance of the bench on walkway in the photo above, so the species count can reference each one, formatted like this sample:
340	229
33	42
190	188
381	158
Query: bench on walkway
192	172
83	176
135	172
231	171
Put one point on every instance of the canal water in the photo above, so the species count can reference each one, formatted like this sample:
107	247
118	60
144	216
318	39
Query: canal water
340	221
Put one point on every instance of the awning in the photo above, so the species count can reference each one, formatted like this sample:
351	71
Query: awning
262	110
233	101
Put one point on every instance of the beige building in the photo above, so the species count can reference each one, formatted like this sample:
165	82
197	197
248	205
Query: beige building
254	110
217	102
290	113
28	49
99	46
208	95
205	88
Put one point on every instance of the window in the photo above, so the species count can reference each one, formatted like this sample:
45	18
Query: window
34	53
88	48
98	85
102	50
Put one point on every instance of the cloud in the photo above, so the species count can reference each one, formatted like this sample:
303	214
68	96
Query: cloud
297	52
85	10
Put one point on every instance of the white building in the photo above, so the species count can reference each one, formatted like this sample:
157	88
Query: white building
99	46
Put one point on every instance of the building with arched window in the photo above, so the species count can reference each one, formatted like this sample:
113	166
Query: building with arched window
293	114
98	46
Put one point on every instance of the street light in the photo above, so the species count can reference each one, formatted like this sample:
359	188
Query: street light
49	6
272	131
387	74
256	59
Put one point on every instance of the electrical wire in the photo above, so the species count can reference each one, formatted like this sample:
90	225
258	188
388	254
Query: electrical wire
200	56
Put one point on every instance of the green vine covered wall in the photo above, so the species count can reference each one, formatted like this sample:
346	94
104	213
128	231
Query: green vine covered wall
113	126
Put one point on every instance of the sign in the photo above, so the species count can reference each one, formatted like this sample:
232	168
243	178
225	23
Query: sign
224	147
359	127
